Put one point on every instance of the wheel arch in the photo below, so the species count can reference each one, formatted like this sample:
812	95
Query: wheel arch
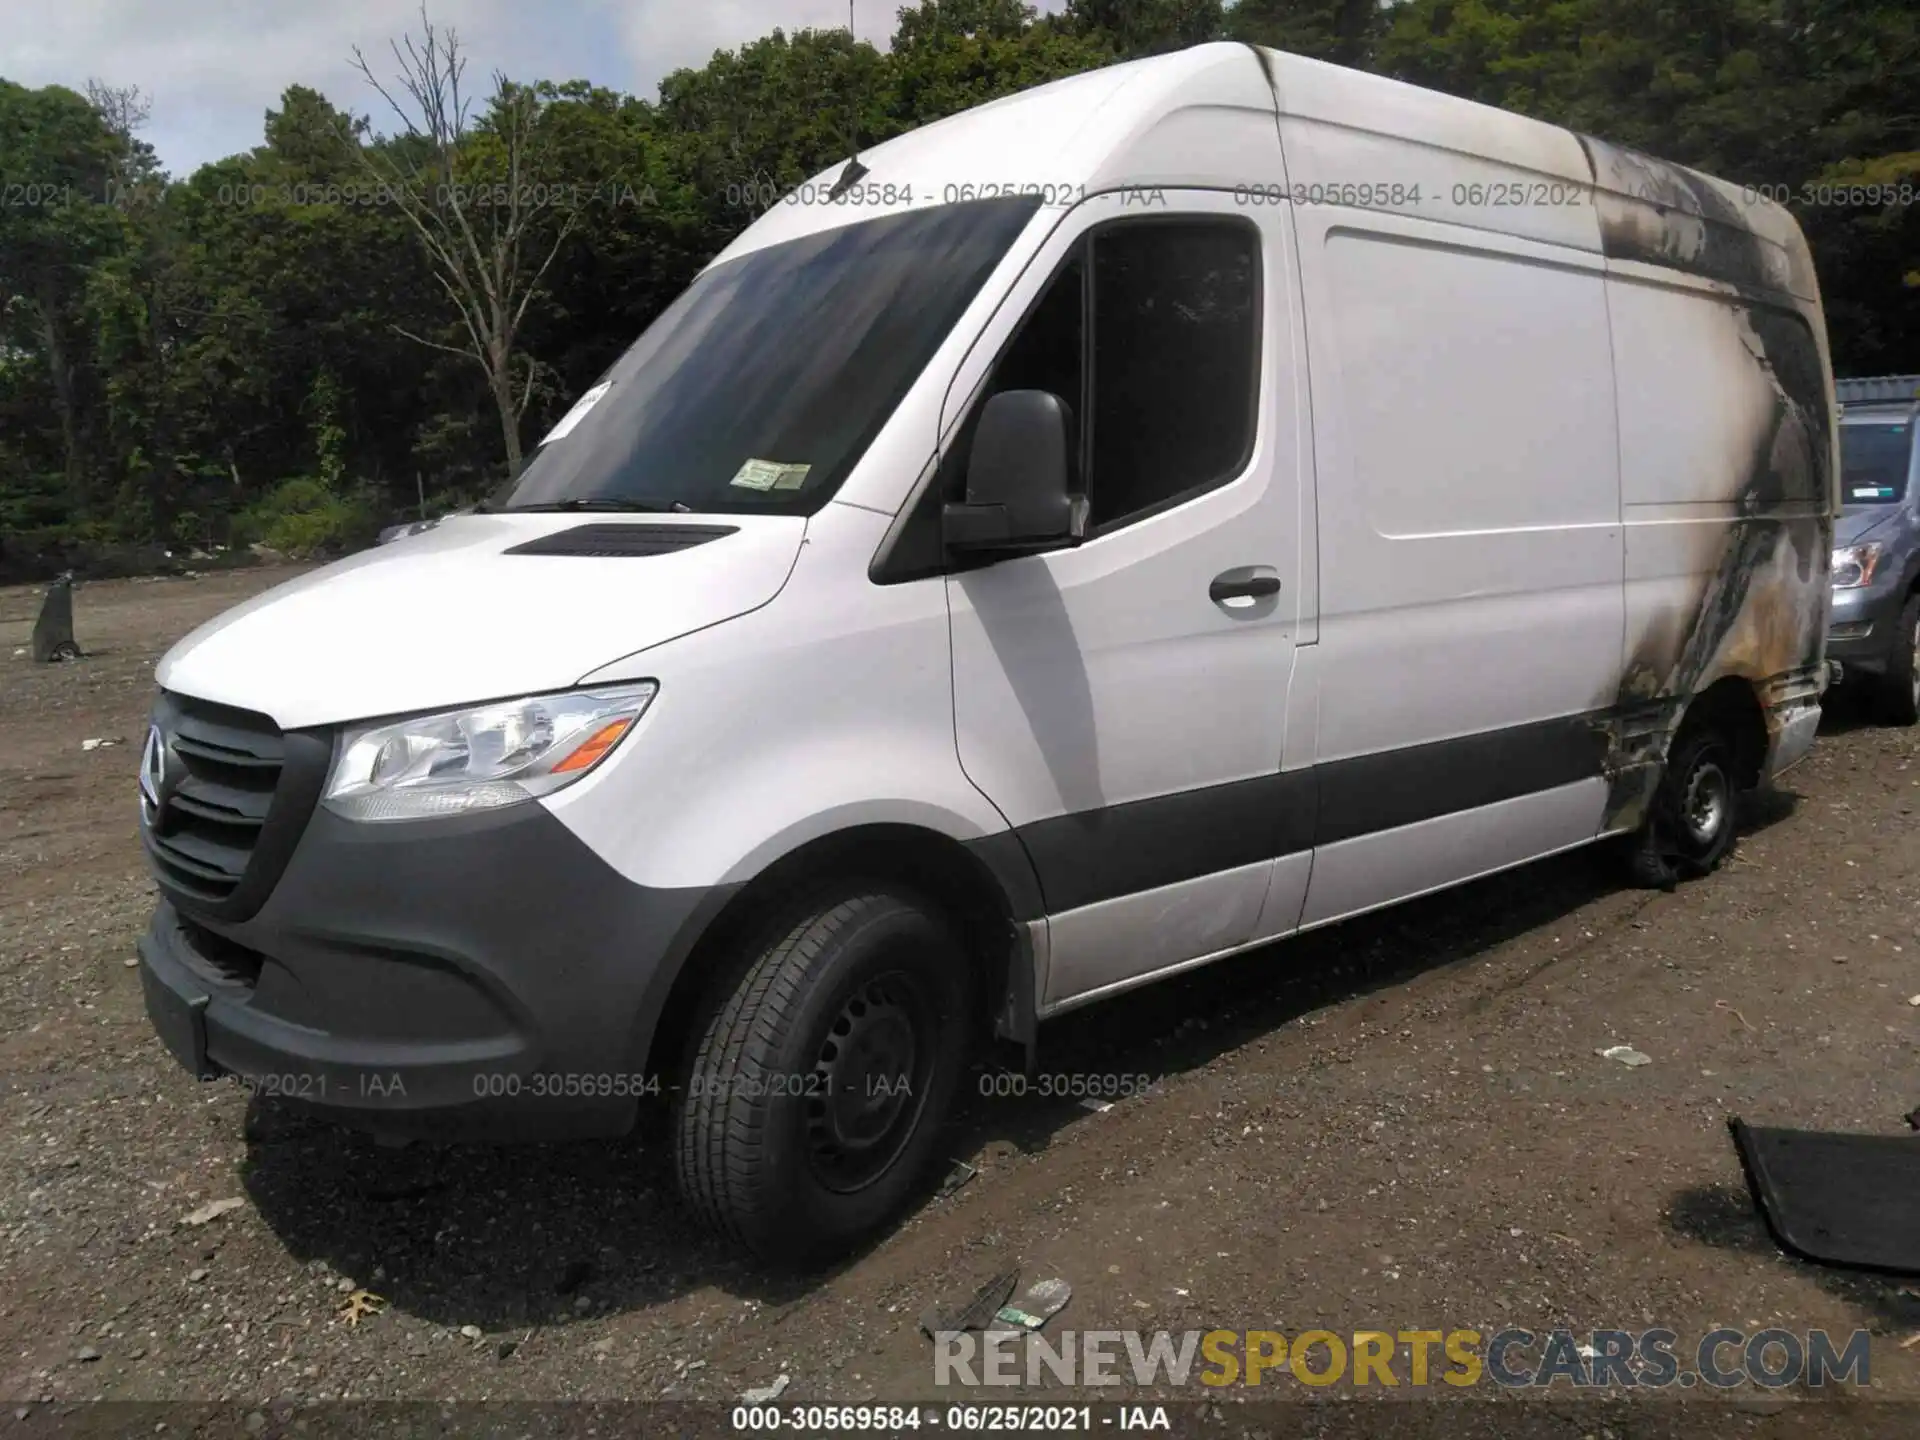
1731	706
986	889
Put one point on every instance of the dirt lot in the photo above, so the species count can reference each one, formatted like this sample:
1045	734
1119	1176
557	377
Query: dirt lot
1398	1123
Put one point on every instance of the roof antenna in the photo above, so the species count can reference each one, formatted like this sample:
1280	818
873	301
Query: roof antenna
855	171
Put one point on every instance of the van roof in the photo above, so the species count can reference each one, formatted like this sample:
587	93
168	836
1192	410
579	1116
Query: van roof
1065	136
1145	124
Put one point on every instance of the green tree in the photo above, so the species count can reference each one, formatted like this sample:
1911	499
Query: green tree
1343	31
753	123
949	55
1147	27
57	158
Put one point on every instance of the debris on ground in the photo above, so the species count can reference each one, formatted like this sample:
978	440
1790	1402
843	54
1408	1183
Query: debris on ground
98	744
1098	1107
1625	1054
53	639
360	1304
958	1176
1043	1300
767	1394
1913	1000
212	1211
974	1313
471	1332
1836	1197
1726	1006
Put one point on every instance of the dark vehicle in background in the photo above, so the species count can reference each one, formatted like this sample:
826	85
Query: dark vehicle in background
1874	632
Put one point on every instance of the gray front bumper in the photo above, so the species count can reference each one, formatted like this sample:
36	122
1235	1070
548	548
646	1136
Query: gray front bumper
488	977
1864	627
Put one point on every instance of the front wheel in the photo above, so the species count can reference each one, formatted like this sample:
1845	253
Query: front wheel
810	1105
1900	686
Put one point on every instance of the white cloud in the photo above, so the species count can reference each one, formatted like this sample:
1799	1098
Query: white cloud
212	68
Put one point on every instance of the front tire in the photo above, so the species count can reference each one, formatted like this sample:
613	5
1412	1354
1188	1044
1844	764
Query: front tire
811	1102
1900	686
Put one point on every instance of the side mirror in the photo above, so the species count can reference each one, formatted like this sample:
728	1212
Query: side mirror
1019	480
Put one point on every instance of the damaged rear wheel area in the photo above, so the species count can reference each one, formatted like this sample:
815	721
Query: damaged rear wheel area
1693	821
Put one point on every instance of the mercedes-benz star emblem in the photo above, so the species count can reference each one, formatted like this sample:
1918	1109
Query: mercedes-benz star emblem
153	773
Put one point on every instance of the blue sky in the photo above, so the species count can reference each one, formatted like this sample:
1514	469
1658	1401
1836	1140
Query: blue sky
211	68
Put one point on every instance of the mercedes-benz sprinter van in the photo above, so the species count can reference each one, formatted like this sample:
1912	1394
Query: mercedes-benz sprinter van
1132	522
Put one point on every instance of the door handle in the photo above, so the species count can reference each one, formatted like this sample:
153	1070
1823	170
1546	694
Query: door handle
1252	582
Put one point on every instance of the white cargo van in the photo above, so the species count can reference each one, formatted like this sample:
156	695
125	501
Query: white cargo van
1132	522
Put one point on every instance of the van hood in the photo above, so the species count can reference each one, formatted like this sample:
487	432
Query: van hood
1850	527
451	616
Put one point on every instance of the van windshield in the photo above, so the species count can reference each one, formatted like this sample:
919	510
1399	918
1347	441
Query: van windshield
1874	460
761	386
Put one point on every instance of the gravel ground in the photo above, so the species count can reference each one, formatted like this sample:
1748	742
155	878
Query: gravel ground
1401	1122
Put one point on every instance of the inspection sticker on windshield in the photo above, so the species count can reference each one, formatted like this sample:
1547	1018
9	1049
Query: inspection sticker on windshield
578	413
770	475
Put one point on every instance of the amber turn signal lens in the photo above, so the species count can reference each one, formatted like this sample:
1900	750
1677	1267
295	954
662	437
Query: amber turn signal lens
595	746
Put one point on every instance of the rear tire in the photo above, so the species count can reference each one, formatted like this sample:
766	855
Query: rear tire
1900	686
816	1087
1692	824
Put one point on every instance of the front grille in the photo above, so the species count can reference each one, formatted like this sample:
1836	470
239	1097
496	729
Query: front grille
222	768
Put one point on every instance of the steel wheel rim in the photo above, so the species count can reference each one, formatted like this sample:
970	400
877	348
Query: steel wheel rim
869	1083
1703	808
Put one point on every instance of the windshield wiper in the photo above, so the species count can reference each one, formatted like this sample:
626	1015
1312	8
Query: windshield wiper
599	503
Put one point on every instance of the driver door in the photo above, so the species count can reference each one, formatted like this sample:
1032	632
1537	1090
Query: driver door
1123	702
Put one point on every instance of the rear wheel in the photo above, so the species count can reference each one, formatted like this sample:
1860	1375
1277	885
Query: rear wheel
1900	686
811	1102
1692	824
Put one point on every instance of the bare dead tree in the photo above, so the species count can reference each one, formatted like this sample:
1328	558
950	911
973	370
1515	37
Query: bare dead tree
131	177
125	108
759	190
482	220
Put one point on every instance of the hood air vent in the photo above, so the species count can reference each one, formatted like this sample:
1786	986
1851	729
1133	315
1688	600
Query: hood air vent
613	541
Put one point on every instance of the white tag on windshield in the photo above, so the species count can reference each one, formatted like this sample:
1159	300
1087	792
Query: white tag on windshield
770	475
578	413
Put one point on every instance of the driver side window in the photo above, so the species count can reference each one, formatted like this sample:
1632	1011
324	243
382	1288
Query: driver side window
1150	332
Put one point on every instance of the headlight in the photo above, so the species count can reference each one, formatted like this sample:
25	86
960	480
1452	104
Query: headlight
480	758
1853	565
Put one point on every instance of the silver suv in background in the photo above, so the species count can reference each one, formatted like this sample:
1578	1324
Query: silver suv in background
1874	632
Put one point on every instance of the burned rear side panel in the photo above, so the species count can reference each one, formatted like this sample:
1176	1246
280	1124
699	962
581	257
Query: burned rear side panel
1728	456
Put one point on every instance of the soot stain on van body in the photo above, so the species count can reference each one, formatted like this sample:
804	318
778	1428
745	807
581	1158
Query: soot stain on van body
1665	215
